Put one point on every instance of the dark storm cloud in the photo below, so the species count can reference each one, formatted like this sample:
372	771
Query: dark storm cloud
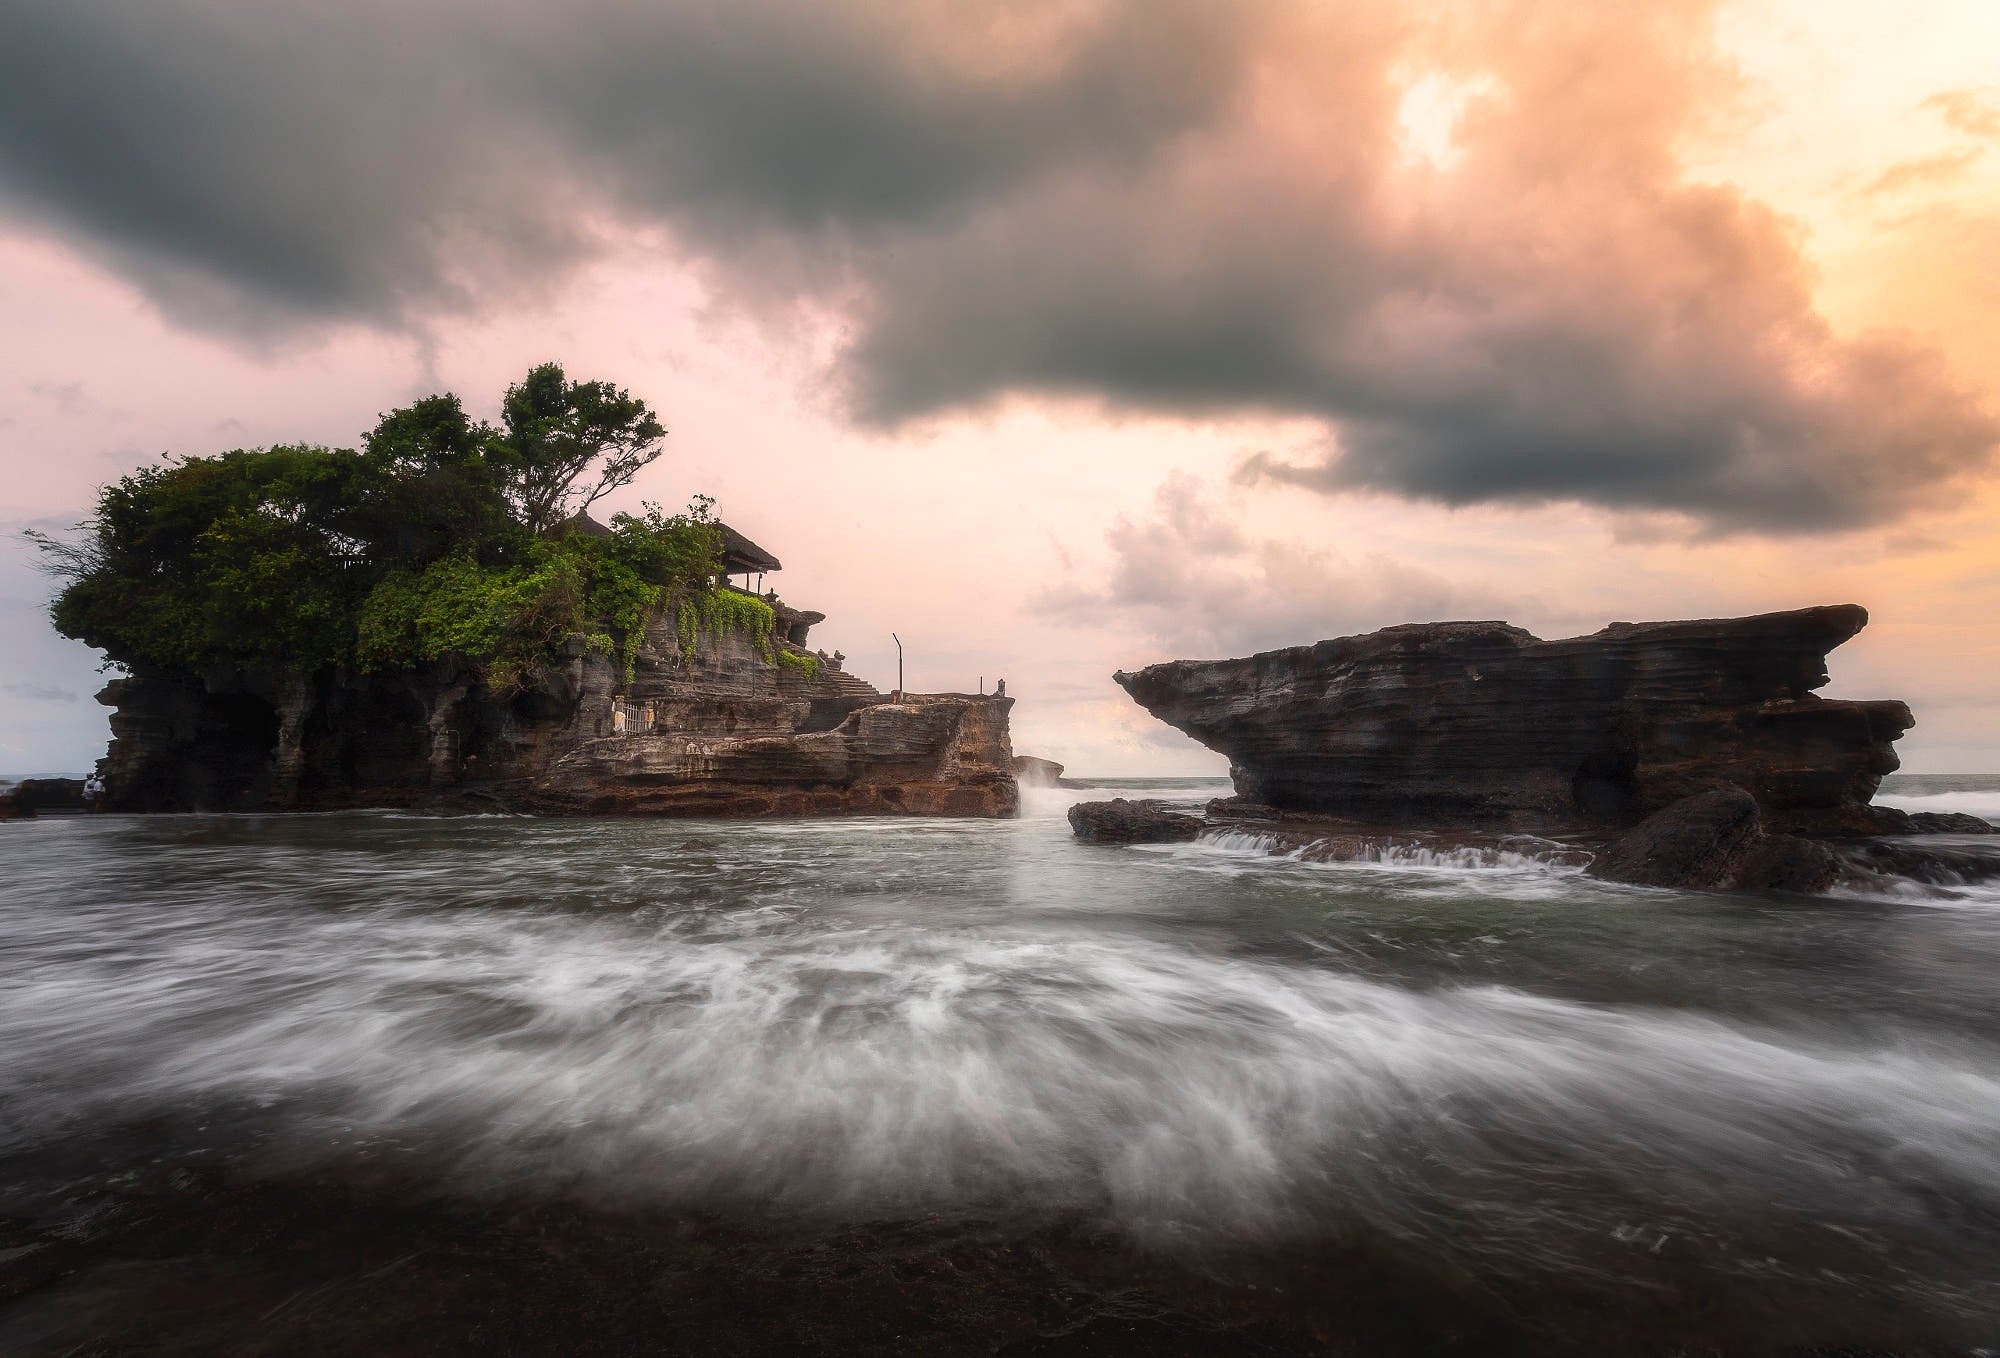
1179	206
256	165
260	166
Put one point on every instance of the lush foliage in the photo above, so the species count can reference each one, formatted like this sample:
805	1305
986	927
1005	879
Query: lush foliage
439	537
728	610
719	611
804	663
555	432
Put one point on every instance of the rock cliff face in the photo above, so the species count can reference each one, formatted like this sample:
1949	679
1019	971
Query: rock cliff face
721	732
1480	723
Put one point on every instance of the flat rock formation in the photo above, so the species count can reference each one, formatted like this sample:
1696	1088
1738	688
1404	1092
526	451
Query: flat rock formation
1317	839
1119	821
1481	724
734	727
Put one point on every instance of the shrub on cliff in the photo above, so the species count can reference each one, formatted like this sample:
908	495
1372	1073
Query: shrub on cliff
509	616
435	538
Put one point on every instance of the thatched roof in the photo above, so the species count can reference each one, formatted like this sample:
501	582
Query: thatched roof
742	556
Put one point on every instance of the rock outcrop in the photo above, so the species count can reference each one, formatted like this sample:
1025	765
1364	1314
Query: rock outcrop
1716	841
1947	823
1483	724
1033	772
735	727
41	796
1934	864
1119	821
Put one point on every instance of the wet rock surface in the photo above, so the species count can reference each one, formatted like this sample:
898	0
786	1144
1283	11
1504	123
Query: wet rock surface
1926	860
1120	821
1947	823
1483	724
1716	841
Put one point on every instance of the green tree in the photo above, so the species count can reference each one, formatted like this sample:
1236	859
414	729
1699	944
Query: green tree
429	542
434	486
565	445
242	557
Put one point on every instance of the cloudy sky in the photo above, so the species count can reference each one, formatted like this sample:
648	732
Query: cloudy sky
1067	337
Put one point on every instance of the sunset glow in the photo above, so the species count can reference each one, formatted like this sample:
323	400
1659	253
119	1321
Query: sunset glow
1074	343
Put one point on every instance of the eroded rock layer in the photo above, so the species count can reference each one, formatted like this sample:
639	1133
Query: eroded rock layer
723	731
1482	723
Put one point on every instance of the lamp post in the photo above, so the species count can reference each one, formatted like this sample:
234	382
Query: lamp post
899	665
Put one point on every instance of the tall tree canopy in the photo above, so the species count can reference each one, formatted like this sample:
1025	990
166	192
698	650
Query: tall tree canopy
565	445
439	536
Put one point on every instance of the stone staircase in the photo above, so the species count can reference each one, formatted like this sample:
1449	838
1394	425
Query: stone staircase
847	685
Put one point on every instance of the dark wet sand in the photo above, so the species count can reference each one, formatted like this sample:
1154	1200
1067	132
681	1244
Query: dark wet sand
250	1254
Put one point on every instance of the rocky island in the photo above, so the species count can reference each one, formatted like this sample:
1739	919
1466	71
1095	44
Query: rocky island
741	723
1702	743
436	621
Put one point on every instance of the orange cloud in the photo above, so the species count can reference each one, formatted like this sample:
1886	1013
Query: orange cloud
1922	172
1975	112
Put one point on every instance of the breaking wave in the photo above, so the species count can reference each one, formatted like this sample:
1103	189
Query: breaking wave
894	1017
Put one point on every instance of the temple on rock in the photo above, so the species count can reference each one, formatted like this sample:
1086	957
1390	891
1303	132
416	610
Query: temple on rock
719	709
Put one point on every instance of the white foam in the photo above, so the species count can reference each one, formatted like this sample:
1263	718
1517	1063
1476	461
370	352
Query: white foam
1390	853
688	1053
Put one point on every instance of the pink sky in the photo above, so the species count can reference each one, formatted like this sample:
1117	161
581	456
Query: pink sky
1067	343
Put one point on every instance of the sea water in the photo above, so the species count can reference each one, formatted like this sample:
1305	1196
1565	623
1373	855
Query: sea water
1188	1097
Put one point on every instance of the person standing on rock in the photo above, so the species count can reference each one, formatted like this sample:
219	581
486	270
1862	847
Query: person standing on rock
93	793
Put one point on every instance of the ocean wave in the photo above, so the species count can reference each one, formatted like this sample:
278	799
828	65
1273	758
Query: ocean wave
1394	853
683	1055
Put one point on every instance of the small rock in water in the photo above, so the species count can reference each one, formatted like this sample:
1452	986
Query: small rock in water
1034	772
1119	821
